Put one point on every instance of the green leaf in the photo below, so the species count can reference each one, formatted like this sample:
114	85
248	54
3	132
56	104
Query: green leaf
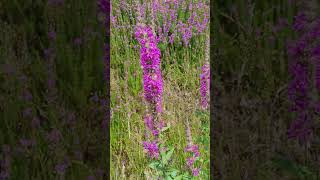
168	178
154	165
178	177
169	154
166	156
172	172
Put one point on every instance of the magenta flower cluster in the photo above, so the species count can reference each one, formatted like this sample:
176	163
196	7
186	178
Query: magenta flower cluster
204	85
152	149
190	161
152	83
150	62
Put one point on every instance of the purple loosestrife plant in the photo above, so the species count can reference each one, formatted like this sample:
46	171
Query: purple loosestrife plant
104	8
5	163
194	150
50	57
152	82
205	76
304	68
204	85
298	94
316	61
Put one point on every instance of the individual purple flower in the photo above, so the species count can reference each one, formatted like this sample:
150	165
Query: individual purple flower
161	124
54	136
48	53
27	112
155	133
26	95
104	123
26	143
296	49
77	41
258	32
152	149
91	177
171	38
148	122
283	22
150	56
195	172
35	123
300	21
194	149
61	168
23	79
52	35
301	128
70	119
190	161
99	172
314	32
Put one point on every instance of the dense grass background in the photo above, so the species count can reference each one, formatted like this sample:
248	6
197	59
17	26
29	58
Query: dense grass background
251	108
72	113
181	68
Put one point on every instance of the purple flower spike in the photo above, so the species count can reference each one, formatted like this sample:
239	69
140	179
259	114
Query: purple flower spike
152	82
304	61
190	161
204	85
